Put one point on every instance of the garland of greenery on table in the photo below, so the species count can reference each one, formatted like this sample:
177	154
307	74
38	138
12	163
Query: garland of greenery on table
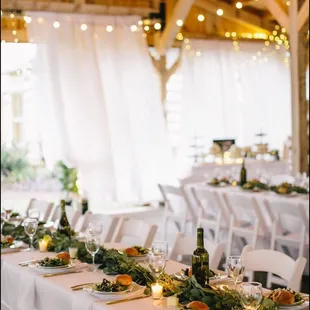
113	262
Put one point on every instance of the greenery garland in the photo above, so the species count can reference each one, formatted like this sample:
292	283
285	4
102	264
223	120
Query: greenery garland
113	262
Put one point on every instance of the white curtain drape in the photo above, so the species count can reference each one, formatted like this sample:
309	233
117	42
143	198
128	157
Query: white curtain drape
100	105
234	94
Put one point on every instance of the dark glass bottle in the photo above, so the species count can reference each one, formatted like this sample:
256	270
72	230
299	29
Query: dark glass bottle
200	260
64	225
242	174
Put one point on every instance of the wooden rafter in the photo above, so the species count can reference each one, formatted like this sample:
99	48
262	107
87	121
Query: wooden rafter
278	12
166	39
239	17
303	14
77	6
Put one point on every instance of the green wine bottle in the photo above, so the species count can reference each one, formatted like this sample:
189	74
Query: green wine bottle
242	174
200	260
64	225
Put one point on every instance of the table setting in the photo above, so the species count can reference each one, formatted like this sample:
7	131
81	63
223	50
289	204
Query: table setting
89	275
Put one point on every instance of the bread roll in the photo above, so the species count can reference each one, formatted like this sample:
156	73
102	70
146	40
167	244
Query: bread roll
64	255
197	305
124	279
284	297
131	252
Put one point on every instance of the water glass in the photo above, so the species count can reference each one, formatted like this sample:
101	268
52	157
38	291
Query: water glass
92	246
73	251
95	228
251	295
235	268
157	263
8	211
30	227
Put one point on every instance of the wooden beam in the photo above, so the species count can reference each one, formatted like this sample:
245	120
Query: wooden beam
303	14
277	11
239	17
180	11
65	7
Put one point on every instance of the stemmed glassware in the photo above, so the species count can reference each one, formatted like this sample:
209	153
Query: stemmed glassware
95	227
92	246
157	263
30	227
235	268
251	295
160	247
34	214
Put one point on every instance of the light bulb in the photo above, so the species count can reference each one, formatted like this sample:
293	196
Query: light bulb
133	28
157	26
14	32
179	22
27	19
239	5
56	24
220	12
83	27
12	15
140	22
179	36
146	28
201	17
109	28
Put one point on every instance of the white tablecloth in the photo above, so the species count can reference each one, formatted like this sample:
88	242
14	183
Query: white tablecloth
22	288
271	167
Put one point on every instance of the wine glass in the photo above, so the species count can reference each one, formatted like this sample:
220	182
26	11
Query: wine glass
34	214
92	246
157	263
8	211
30	227
251	295
95	227
235	268
160	247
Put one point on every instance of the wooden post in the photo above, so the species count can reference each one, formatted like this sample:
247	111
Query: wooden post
300	143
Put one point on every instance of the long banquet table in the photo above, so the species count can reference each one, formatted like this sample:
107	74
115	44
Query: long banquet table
22	288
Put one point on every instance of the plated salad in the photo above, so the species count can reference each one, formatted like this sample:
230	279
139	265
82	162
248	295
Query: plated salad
122	283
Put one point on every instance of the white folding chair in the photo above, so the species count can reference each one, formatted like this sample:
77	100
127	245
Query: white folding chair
246	220
196	178
44	207
275	262
109	224
290	226
281	178
185	245
211	212
178	208
134	232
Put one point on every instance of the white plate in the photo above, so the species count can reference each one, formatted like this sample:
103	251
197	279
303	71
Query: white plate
36	266
13	247
297	306
136	289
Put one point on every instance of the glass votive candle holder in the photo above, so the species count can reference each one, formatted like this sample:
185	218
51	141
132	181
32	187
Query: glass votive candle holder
42	245
73	253
157	290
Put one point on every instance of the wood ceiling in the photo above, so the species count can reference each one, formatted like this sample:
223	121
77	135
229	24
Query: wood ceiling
252	18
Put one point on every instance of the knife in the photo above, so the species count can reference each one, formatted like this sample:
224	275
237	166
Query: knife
27	262
126	299
78	285
47	275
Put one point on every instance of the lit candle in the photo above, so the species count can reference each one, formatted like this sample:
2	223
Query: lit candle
157	291
172	301
42	246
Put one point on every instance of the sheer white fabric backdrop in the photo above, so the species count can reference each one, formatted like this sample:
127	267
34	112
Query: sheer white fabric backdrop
100	105
228	94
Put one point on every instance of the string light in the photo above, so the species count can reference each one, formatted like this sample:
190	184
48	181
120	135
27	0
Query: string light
109	28
133	28
227	34
140	22
157	26
14	32
179	36
15	40
56	24
12	15
179	22
146	28
83	27
198	53
27	19
239	5
201	17
220	12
